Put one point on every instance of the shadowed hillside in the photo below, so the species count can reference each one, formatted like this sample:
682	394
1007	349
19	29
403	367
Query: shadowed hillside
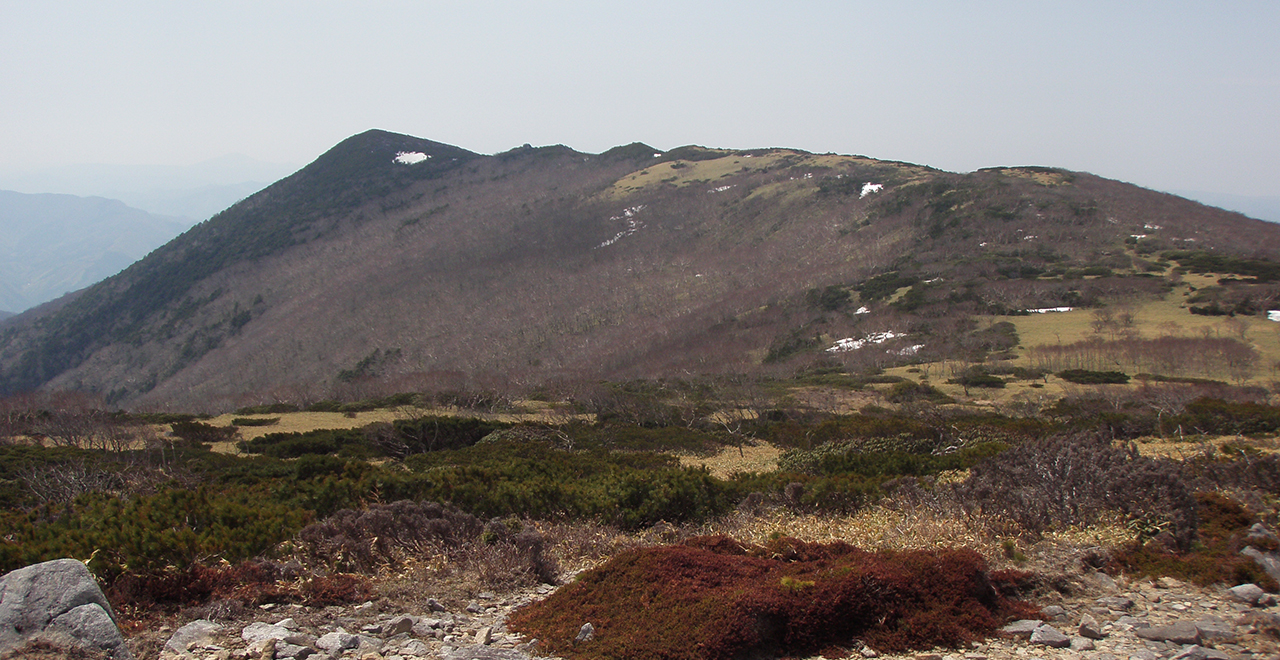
395	262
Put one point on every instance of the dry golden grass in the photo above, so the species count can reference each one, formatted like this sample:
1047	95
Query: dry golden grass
757	457
301	422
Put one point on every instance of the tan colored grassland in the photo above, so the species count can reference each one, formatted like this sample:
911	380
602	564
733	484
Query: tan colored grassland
682	173
1168	316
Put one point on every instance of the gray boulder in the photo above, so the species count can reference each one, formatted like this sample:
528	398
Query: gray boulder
1049	636
1178	632
1247	593
58	602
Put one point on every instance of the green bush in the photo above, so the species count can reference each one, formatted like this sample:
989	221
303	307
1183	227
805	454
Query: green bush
1086	377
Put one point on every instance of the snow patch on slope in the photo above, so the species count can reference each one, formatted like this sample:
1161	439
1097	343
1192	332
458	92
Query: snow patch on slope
410	157
633	225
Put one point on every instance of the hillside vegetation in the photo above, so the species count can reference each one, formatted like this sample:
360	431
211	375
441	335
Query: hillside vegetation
368	272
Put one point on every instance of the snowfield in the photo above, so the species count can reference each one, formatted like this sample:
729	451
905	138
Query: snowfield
868	188
410	157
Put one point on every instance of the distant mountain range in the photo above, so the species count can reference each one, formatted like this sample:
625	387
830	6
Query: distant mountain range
191	192
393	262
55	244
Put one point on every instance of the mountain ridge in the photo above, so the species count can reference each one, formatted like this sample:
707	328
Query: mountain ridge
369	268
58	243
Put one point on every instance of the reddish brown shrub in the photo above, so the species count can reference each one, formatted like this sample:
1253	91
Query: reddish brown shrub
136	595
713	598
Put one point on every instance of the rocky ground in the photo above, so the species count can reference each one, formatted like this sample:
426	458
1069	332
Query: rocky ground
1101	619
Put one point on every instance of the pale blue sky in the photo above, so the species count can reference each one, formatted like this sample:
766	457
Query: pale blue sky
1168	95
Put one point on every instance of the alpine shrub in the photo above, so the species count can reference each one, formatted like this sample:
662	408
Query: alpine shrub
715	598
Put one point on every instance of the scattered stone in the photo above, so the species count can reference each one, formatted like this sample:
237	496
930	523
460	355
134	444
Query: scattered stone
475	608
1082	644
260	632
1053	611
484	653
284	650
435	606
1178	632
1196	652
1023	628
1215	629
1247	593
1089	628
1119	603
1131	622
1259	532
1050	636
484	636
415	647
585	634
199	632
398	625
337	641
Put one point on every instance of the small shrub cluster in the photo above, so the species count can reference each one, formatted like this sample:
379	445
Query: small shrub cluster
1071	479
247	584
1086	377
366	539
502	553
714	598
201	432
977	377
255	421
1216	559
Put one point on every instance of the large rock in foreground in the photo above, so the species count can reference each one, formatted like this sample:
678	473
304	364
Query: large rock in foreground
60	603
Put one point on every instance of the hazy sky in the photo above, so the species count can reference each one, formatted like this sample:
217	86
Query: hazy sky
1165	94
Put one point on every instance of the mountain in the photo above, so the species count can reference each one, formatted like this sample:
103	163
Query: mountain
59	243
400	263
191	192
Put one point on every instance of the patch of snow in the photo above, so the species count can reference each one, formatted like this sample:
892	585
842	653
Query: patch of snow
1152	227
850	344
1030	237
909	350
657	155
633	225
721	188
868	188
1049	310
936	279
1138	236
982	244
1273	315
410	157
863	310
